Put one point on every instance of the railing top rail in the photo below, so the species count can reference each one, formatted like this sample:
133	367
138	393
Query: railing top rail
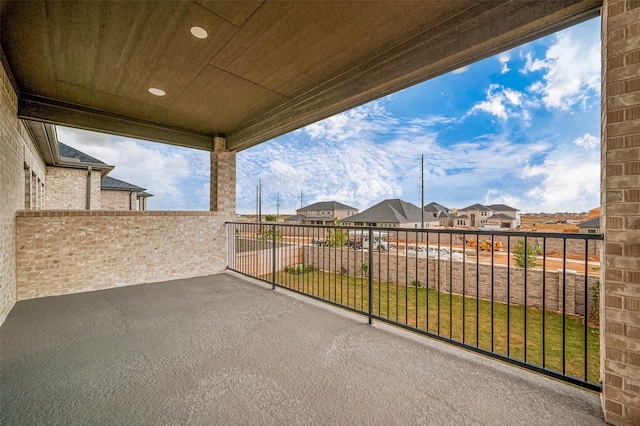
473	232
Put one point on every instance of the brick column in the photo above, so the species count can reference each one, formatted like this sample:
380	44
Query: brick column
223	179
620	294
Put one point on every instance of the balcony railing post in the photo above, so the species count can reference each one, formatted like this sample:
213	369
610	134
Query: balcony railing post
370	270
273	257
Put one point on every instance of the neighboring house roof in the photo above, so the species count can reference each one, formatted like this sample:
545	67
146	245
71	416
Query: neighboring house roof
591	223
67	152
323	218
143	194
476	207
464	216
434	207
502	216
295	218
326	205
501	207
389	211
113	184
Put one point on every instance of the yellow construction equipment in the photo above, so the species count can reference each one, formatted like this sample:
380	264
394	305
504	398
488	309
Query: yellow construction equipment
486	246
471	243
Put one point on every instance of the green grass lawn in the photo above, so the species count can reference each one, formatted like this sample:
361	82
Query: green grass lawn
441	313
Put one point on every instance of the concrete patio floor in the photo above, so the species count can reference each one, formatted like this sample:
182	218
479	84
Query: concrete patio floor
226	350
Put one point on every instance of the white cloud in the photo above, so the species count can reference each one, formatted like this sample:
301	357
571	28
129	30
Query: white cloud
571	69
503	103
461	70
567	177
504	60
174	175
359	167
587	141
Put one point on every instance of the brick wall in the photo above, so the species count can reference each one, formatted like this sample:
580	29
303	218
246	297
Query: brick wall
18	160
223	179
116	200
61	252
620	148
66	188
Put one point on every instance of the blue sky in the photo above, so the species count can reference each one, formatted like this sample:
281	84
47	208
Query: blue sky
520	128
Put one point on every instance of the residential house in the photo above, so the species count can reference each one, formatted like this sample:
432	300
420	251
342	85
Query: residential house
121	195
591	226
503	214
322	213
393	213
77	181
477	215
437	215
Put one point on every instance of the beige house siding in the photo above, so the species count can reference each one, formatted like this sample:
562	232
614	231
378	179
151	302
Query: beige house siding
96	192
66	188
117	200
22	179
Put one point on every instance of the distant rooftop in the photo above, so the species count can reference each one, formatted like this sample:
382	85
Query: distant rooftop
501	207
327	205
389	211
476	207
591	223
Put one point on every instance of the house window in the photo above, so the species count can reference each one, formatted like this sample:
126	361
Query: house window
591	231
483	214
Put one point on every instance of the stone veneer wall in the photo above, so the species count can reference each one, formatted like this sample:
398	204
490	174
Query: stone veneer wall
66	188
62	252
18	159
116	200
620	199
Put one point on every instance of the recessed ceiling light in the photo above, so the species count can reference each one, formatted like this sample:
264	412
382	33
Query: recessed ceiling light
156	91
199	32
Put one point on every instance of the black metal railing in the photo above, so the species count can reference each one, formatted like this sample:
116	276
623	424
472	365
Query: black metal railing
528	298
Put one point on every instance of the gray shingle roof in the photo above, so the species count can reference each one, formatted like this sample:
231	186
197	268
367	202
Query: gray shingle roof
109	183
591	223
434	207
476	207
502	216
68	152
143	194
501	207
295	218
389	211
327	205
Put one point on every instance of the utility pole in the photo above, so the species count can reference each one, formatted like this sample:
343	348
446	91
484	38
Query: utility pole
257	202
278	207
301	199
422	187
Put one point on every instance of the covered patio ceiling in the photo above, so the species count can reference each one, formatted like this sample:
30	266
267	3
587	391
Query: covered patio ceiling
266	67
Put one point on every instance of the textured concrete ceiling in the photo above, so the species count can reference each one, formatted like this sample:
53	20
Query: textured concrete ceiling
266	67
